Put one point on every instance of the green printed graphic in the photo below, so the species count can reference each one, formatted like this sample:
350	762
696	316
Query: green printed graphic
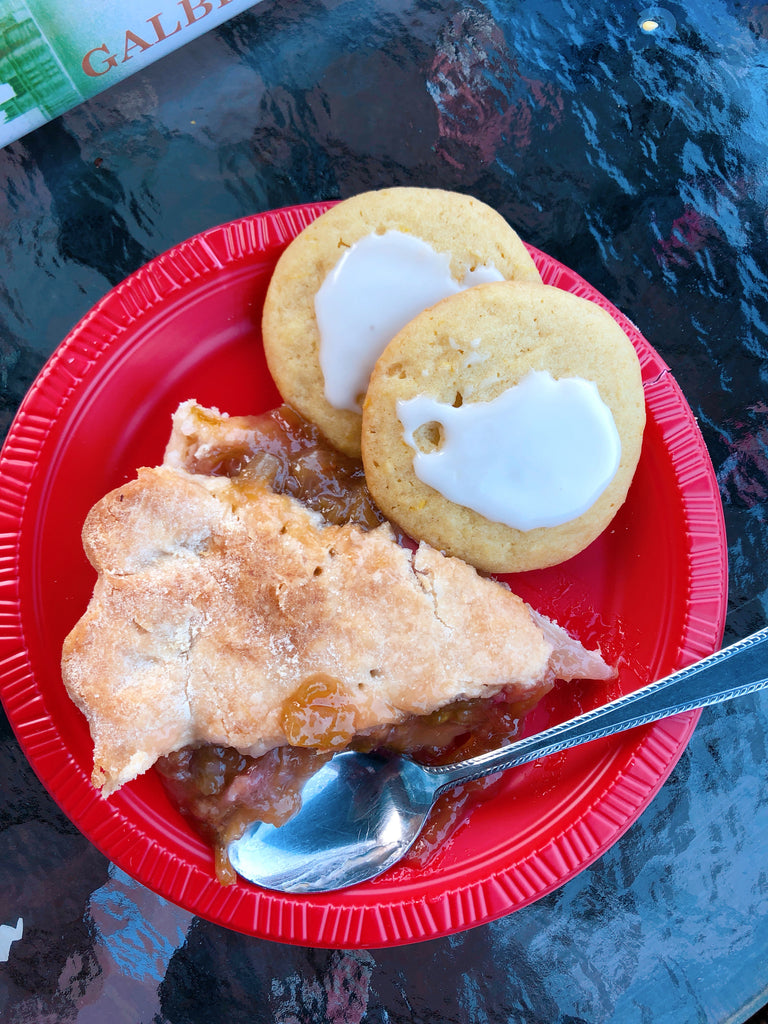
55	53
33	84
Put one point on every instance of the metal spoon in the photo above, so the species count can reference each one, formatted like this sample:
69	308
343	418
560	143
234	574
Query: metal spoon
362	812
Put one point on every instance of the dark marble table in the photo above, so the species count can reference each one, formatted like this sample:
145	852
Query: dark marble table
639	159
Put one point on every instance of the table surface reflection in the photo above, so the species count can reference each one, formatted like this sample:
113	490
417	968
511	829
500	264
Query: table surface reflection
638	159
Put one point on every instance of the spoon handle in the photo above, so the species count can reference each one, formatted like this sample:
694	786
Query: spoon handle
731	672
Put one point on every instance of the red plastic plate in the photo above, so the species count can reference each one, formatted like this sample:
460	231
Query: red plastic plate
651	591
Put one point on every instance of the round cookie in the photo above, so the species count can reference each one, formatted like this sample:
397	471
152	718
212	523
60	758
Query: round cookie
568	380
387	276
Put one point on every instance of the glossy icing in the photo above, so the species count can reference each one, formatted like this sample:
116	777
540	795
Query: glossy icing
540	454
380	283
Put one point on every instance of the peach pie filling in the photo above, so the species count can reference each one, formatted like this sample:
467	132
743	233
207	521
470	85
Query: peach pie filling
222	791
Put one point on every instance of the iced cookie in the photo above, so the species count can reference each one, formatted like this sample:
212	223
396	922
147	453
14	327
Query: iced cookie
504	425
354	277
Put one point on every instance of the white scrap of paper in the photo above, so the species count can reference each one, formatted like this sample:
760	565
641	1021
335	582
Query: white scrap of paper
9	935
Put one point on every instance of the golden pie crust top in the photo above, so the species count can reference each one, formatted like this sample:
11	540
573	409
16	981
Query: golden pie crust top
216	599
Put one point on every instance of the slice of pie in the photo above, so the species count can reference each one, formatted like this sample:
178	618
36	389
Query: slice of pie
222	609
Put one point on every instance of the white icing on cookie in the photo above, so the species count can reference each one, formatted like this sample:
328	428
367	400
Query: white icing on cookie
380	284
540	454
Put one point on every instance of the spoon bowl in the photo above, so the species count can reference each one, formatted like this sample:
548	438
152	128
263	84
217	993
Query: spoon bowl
361	813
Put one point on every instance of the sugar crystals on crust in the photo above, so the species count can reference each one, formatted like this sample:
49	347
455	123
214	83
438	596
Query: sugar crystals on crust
216	599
